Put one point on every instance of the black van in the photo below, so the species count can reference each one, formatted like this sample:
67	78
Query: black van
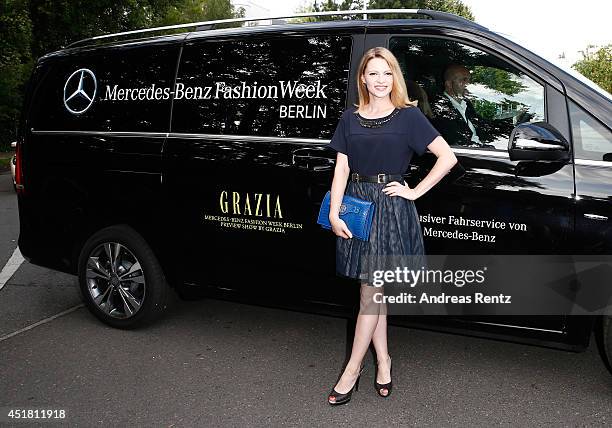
199	161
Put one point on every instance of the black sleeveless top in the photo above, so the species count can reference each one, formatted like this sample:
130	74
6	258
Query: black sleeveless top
388	145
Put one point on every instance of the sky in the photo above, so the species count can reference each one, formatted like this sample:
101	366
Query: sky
547	27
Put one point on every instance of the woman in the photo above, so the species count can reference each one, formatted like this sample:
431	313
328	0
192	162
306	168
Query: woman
376	142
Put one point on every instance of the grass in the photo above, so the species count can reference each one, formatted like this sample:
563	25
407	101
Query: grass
5	163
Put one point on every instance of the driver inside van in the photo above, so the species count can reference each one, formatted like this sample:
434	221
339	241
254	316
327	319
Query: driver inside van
455	114
457	119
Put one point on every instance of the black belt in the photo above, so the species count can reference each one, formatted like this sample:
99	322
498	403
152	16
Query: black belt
378	178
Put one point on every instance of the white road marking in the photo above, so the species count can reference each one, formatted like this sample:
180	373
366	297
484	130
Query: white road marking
11	267
43	321
7	272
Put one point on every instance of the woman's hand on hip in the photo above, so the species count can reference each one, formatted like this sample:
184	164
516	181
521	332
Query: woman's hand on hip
397	189
340	228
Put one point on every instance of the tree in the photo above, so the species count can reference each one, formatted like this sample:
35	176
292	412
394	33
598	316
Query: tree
451	6
497	79
57	23
597	66
15	64
31	28
328	6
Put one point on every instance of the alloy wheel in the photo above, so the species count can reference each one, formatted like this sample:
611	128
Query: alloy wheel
115	280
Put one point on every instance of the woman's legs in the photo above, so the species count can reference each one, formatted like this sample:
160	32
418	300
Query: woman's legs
367	325
379	340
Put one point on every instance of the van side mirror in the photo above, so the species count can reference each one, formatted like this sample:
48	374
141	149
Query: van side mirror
538	141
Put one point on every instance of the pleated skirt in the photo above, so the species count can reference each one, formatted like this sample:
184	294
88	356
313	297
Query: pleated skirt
395	236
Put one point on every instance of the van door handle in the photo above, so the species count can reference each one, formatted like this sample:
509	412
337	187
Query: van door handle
313	163
313	159
101	144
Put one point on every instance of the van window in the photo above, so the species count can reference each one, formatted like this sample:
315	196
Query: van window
473	98
114	89
592	141
276	86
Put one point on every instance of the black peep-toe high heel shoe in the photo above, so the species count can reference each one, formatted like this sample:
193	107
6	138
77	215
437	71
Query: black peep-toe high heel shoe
387	386
344	398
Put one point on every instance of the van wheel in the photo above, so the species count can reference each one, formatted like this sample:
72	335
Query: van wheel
121	281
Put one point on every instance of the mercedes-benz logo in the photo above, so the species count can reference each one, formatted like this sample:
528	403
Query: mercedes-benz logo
80	91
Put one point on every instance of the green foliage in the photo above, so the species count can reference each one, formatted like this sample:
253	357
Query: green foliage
496	79
198	10
15	65
597	66
31	28
485	109
451	6
57	23
328	6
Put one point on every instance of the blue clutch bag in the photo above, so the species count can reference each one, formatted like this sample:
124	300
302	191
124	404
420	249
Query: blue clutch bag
356	213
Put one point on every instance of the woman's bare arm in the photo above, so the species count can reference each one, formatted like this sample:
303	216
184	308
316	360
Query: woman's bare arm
341	173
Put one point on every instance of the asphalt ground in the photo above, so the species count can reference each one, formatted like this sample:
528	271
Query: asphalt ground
221	363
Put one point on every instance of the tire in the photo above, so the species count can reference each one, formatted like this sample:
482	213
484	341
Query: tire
131	293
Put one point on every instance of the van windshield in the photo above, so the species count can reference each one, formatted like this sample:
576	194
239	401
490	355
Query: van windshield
585	80
562	67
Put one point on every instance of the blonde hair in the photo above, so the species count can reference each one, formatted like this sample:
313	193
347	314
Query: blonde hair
399	93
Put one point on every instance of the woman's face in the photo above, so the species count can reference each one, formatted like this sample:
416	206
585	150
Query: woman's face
378	78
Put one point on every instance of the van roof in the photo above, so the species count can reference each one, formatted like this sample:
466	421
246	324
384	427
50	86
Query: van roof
282	19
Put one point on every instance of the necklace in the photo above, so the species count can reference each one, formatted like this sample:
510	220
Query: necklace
377	122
